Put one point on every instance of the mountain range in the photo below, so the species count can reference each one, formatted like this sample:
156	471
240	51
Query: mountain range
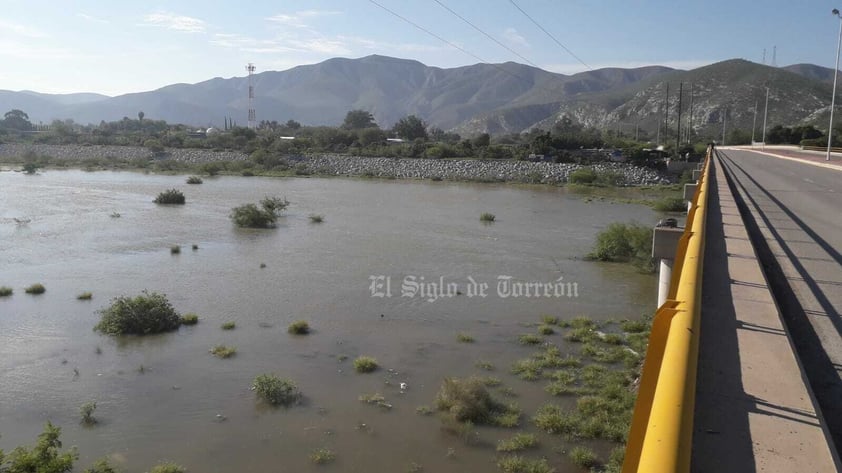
493	98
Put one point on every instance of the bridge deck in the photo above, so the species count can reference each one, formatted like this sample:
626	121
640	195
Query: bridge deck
754	409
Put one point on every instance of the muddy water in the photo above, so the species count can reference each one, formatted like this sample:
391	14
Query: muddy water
317	272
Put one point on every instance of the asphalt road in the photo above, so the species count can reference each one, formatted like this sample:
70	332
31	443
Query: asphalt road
796	226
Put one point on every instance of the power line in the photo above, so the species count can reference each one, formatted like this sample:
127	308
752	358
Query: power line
550	35
486	34
496	66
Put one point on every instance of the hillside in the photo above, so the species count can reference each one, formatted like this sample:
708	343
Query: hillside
494	98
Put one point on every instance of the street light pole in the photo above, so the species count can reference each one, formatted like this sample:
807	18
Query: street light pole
833	99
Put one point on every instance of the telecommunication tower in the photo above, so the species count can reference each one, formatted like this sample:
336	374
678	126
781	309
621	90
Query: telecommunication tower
252	114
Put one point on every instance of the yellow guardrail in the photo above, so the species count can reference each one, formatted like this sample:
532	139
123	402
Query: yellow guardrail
661	432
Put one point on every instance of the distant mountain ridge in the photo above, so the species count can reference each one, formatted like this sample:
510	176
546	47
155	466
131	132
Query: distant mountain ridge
495	98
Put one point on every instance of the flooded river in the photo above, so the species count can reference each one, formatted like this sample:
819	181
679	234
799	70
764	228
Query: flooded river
192	408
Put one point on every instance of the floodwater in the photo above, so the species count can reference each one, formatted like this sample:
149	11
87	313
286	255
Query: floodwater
317	272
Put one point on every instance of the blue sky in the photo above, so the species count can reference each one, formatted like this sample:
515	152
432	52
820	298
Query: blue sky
115	47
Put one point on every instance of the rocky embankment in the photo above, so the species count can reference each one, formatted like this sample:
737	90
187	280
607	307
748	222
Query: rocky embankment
342	165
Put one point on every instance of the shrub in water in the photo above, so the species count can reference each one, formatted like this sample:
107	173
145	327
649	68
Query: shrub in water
171	196
175	249
229	326
6	291
622	242
168	468
276	391
36	288
189	319
101	466
223	351
148	313
194	180
487	217
583	457
518	464
87	411
517	443
315	218
264	216
85	296
43	457
464	338
365	364
320	456
300	327
670	204
468	400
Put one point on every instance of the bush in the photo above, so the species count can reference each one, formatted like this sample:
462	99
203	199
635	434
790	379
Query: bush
487	217
231	325
365	364
584	457
518	464
101	466
85	296
582	176
168	468
31	167
549	320
546	330
6	291
276	391
223	351
175	249
321	456
300	327
189	319
264	216
518	442
464	338
171	196
622	242
43	457
148	313
194	180
670	204
530	339
36	288
315	218
87	410
468	400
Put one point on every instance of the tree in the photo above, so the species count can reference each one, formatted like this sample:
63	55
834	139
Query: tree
293	125
17	120
359	119
410	128
482	140
44	457
140	116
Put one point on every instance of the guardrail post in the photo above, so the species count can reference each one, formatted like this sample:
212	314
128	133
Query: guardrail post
664	244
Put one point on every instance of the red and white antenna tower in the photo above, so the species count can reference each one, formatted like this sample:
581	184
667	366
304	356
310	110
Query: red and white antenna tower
252	114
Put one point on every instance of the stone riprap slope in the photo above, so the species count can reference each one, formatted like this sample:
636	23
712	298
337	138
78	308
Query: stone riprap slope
342	165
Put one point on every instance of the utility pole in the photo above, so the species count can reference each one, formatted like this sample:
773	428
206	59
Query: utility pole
690	118
765	113
667	116
754	123
724	116
678	126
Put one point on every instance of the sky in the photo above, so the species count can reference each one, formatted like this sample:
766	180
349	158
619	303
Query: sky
117	47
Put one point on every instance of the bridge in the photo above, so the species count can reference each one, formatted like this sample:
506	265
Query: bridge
744	367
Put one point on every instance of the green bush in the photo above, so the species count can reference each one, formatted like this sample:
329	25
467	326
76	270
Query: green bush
223	351
464	338
264	216
194	180
85	296
546	330
36	288
321	456
582	176
171	196
230	325
365	364
584	457
147	313
6	291
518	442
168	468
469	400
101	466
670	204
299	327
189	319
276	391
315	218
87	411
530	339
487	217
518	464
44	457
175	249
622	242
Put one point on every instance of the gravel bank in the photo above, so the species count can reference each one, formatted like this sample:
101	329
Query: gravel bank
341	165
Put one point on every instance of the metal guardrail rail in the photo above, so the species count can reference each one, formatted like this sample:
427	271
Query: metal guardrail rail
821	148
661	432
